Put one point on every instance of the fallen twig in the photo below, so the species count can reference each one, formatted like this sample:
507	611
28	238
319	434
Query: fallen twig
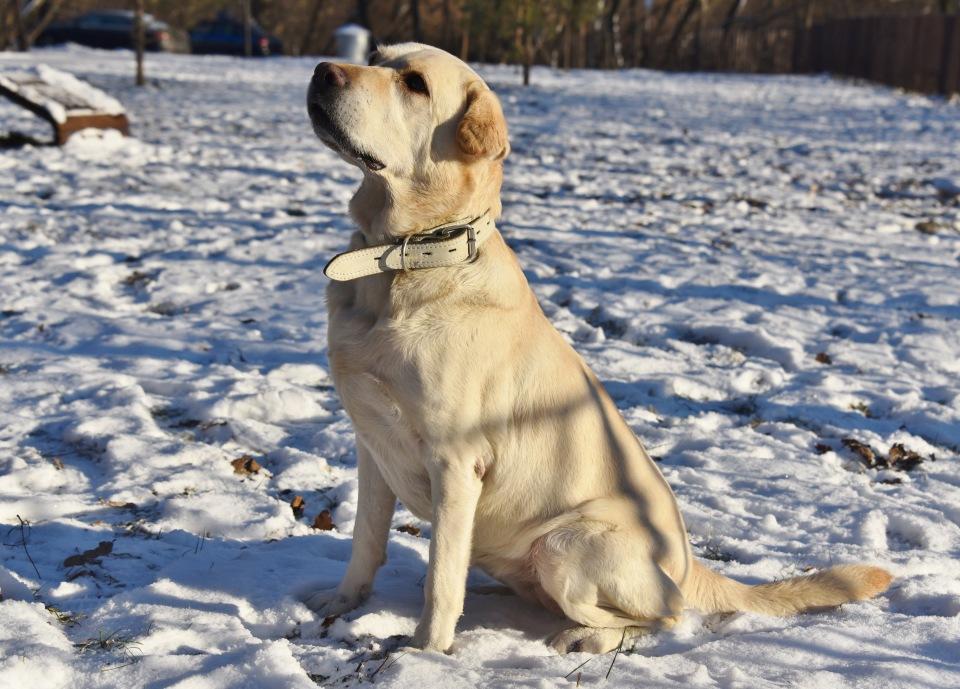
23	542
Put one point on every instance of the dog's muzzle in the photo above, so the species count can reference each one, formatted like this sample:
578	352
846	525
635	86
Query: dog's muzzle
328	83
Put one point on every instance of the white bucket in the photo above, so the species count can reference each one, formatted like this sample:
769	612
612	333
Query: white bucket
353	43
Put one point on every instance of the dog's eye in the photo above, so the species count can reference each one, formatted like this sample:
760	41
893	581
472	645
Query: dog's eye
414	81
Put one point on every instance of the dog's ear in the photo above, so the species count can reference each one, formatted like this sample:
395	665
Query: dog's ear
482	132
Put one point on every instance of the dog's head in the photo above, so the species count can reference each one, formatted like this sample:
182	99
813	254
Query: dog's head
416	118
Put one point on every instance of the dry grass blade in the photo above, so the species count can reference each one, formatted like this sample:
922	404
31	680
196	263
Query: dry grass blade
62	616
114	642
616	653
577	668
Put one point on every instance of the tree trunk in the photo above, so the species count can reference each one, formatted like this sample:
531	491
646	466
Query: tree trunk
697	30
247	29
23	44
362	16
415	21
582	46
47	12
447	35
615	40
465	41
527	57
658	54
674	41
311	25
4	29
138	41
639	33
811	13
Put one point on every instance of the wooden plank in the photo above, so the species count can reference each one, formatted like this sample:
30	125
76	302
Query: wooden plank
902	46
950	57
930	52
881	65
75	123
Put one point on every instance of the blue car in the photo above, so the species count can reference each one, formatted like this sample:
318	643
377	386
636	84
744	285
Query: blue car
224	36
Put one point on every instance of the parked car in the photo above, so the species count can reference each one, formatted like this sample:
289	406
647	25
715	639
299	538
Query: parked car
224	36
114	29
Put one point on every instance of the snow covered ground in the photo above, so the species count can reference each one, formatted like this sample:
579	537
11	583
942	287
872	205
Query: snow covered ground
758	268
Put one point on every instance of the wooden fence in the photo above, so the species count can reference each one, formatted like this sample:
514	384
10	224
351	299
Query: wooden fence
919	53
915	53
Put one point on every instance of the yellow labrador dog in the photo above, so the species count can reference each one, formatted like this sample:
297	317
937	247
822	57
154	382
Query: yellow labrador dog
470	407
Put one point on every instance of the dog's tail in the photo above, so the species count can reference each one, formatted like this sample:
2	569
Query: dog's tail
709	591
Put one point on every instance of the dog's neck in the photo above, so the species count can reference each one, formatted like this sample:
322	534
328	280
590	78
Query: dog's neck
386	211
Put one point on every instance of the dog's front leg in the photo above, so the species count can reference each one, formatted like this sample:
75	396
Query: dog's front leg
375	507
455	489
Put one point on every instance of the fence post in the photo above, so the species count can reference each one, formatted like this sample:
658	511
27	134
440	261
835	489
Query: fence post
950	67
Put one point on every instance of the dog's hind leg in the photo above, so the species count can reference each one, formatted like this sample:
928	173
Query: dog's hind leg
603	576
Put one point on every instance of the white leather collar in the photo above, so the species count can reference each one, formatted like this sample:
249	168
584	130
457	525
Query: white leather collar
442	246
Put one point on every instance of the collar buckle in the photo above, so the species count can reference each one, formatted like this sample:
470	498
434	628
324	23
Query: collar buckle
441	234
447	233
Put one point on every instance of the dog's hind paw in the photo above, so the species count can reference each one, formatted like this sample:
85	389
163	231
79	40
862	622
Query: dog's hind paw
594	639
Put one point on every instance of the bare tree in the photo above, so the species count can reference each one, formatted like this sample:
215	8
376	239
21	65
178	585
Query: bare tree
311	26
415	21
22	43
44	12
139	38
247	29
363	13
692	6
614	40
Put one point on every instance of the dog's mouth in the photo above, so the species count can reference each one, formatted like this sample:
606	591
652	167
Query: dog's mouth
333	136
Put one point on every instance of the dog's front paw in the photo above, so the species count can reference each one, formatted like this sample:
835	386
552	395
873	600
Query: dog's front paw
427	640
332	602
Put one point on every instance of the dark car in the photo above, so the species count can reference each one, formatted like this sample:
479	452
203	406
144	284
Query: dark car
114	29
224	36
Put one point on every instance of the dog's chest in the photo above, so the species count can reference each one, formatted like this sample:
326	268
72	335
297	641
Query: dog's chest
383	383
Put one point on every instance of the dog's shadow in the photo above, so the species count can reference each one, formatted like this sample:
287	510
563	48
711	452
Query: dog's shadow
397	600
496	607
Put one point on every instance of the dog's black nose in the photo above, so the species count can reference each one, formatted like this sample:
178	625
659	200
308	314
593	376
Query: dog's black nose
330	75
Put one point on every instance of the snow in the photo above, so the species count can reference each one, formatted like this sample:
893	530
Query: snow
701	239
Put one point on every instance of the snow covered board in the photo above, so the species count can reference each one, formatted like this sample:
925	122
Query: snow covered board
66	102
